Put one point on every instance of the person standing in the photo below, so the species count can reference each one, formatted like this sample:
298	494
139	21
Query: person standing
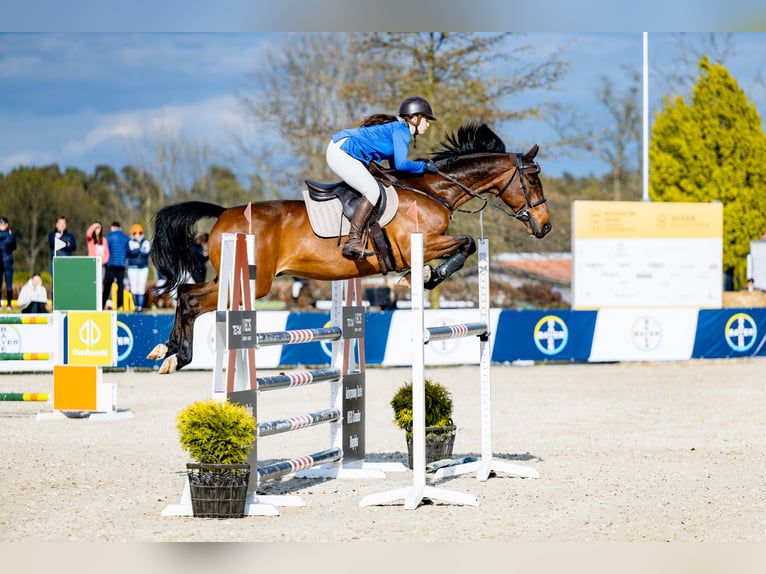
97	245
139	249
200	257
62	234
7	247
115	267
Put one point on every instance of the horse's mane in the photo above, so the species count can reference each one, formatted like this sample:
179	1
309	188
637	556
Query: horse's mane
470	138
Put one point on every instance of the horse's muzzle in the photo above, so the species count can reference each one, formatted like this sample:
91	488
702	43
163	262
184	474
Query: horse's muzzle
543	230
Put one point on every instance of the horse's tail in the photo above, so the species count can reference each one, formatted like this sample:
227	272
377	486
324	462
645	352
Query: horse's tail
174	227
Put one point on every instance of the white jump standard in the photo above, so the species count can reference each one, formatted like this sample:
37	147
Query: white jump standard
413	496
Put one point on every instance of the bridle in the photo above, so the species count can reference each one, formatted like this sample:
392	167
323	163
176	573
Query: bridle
522	213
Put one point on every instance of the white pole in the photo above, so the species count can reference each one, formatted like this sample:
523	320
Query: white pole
417	328
645	164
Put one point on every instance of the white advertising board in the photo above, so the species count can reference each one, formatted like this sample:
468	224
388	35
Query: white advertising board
645	254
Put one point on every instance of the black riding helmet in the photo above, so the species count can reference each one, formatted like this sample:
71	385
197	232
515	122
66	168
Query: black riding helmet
416	105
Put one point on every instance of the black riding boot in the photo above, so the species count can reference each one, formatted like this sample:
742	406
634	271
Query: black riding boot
354	248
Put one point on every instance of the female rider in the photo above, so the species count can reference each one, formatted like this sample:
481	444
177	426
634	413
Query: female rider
379	137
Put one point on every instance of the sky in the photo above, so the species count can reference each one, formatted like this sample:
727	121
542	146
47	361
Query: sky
84	99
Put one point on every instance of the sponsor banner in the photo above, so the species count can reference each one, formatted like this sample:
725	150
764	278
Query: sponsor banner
644	335
91	338
137	335
641	219
730	333
556	335
34	339
646	254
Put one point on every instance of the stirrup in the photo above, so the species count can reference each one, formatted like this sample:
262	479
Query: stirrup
350	252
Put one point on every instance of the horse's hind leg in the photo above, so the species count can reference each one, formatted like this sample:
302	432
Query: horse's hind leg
193	301
169	347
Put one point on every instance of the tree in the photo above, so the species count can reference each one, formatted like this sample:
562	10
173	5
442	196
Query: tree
691	48
615	137
317	84
714	149
220	185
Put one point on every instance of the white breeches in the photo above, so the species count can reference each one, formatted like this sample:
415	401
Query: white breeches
352	171
137	279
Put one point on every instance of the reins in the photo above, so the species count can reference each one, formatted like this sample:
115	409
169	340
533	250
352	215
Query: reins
522	213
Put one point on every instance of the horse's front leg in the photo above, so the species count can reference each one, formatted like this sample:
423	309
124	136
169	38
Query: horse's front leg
456	249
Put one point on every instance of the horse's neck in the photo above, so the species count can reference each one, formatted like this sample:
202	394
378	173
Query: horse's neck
472	177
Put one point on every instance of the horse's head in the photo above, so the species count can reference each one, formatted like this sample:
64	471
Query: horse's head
476	160
522	192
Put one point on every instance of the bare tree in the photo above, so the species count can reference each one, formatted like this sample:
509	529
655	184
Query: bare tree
683	71
297	97
316	84
174	163
615	137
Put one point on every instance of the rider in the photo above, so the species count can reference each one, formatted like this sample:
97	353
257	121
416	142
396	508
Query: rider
380	136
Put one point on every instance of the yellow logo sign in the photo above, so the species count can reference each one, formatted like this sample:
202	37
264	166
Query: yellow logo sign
91	338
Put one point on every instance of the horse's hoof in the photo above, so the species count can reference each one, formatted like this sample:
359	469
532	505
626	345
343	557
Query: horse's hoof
158	352
169	365
427	272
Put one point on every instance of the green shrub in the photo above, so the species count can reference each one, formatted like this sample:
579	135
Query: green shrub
438	405
216	432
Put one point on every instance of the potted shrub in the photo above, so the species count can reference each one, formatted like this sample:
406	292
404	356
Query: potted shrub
440	430
219	436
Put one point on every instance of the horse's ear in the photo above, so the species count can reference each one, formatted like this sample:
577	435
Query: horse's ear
530	155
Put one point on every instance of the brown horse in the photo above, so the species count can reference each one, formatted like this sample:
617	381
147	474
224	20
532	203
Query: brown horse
472	163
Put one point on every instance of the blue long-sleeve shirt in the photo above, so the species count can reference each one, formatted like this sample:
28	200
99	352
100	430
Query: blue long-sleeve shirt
389	141
118	248
7	246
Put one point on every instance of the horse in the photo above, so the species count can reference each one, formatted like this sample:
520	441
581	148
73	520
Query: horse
472	163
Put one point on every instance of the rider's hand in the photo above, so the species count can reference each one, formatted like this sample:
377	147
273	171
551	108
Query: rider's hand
430	167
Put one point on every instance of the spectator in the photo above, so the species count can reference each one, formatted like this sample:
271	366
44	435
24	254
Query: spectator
200	257
7	246
139	248
299	283
97	245
33	298
115	267
62	234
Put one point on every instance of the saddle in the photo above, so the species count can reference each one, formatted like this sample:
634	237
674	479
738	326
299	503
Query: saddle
331	205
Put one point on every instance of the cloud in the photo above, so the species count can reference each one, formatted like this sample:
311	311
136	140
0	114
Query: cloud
89	138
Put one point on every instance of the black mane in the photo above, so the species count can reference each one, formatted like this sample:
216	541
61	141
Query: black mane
470	138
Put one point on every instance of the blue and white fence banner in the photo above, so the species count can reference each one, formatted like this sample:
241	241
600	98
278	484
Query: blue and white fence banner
537	335
557	335
730	333
643	335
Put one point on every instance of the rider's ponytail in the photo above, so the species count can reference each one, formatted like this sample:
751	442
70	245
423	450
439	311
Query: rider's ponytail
377	119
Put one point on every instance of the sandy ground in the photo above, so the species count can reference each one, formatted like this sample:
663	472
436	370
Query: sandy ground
626	452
